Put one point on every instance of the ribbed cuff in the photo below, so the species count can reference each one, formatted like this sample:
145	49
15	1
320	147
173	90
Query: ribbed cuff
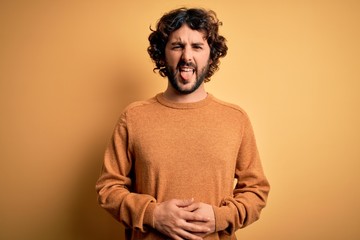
149	215
221	218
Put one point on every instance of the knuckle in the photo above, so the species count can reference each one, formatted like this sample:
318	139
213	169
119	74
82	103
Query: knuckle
194	228
196	217
178	223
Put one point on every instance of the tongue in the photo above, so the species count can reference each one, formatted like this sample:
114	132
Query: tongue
186	75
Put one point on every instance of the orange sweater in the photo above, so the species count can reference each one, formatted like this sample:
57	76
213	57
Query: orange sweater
162	150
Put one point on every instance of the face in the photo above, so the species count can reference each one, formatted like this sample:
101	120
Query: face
187	56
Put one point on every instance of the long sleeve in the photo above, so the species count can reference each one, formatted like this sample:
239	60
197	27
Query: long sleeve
155	154
251	190
114	185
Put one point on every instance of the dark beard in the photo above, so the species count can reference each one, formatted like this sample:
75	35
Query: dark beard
199	79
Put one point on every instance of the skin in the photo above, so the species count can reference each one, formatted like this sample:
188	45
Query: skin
185	219
186	46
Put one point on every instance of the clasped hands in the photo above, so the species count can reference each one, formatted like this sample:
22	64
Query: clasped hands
184	219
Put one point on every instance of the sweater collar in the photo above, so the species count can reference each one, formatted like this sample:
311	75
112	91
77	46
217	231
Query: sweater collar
162	100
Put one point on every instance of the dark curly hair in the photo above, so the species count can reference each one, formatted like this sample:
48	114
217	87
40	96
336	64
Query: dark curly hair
197	19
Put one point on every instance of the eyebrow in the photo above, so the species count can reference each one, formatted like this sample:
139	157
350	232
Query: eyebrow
177	43
182	43
198	44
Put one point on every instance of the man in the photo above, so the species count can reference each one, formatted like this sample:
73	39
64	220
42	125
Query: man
169	171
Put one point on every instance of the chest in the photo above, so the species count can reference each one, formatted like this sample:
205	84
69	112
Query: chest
192	139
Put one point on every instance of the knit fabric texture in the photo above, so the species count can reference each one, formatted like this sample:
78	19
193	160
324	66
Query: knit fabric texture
162	150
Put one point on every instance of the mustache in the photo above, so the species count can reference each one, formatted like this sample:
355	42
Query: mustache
186	64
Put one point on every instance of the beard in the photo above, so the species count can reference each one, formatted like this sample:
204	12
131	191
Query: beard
175	81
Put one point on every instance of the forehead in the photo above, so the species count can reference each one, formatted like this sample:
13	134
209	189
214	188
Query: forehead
186	34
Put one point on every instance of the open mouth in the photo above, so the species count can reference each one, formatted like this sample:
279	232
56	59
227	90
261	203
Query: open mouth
187	69
186	73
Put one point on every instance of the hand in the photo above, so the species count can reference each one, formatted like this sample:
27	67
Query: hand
204	210
179	220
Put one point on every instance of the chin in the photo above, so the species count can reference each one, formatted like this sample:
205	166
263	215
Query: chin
185	86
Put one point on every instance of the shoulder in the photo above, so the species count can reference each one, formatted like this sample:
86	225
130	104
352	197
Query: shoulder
135	109
234	113
139	105
230	107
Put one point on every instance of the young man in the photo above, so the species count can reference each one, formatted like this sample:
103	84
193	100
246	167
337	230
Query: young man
169	171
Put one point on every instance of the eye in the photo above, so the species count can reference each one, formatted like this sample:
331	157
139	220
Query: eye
177	47
197	47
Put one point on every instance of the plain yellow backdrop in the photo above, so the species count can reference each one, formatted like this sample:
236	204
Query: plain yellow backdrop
68	68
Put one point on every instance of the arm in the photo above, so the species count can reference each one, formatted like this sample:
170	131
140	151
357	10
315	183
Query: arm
134	210
114	184
251	190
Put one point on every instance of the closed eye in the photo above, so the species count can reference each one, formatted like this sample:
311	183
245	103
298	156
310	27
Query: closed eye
197	46
177	45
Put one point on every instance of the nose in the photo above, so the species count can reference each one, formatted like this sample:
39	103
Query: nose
187	54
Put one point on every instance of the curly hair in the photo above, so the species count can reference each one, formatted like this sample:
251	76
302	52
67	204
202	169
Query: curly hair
197	19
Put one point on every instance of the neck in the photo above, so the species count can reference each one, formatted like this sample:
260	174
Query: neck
172	95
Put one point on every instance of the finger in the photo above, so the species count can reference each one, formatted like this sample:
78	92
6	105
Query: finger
187	235
195	228
184	202
176	237
192	207
191	216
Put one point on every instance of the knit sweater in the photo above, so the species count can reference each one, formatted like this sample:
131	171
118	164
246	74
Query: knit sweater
162	150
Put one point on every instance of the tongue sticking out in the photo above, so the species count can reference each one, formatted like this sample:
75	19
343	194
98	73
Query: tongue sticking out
186	74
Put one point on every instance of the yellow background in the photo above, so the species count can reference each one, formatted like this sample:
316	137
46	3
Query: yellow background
67	69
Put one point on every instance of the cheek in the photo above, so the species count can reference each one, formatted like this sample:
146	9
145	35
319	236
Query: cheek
203	61
172	59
